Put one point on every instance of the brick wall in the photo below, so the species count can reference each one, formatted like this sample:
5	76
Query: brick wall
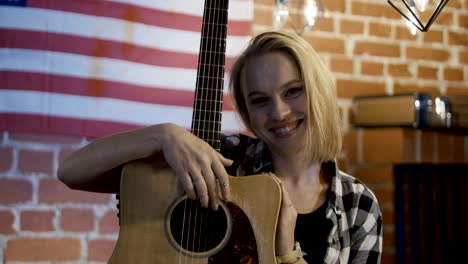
369	50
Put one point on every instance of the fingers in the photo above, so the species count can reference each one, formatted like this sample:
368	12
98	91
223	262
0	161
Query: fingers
286	201
223	180
224	161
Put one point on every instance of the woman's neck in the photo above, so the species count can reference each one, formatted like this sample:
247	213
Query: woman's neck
296	170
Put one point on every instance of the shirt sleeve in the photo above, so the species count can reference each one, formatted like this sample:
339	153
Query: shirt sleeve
366	237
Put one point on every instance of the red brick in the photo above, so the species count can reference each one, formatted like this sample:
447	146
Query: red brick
389	237
326	24
399	70
433	36
43	249
413	87
15	191
45	138
375	174
372	68
453	74
459	148
427	72
374	10
463	20
7	219
34	220
388	145
377	49
342	64
463	56
379	29
458	39
427	54
336	6
389	257
388	213
100	249
402	33
445	148
53	191
386	196
457	90
348	26
109	223
326	45
31	161
77	220
427	146
352	88
6	158
350	145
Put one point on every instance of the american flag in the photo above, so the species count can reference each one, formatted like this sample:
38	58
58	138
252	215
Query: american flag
95	67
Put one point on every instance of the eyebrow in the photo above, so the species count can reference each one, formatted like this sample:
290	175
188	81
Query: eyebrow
290	83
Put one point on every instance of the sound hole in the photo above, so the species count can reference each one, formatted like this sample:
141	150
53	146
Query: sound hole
196	230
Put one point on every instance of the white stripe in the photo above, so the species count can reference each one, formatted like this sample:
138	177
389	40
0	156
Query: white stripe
105	109
238	9
110	29
99	68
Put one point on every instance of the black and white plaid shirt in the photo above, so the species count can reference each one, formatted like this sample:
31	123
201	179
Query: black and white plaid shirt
356	234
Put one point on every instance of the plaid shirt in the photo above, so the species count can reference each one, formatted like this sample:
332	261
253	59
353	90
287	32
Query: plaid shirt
356	235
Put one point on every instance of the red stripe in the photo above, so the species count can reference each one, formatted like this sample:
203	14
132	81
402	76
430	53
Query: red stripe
59	125
26	39
65	126
138	14
29	81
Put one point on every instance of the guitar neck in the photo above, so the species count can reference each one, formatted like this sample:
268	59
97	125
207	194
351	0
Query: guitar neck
208	103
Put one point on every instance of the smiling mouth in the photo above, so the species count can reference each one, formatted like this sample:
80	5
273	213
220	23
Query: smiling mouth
286	131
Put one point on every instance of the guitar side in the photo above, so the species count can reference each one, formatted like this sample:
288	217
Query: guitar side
149	188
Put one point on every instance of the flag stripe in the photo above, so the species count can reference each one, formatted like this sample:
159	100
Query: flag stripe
68	126
154	17
40	82
102	109
25	39
238	9
44	20
97	68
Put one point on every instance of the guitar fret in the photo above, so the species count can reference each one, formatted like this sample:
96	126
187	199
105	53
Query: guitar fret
212	65
210	78
206	121
208	100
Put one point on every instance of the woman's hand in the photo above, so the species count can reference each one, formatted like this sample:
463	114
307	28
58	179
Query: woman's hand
198	166
286	225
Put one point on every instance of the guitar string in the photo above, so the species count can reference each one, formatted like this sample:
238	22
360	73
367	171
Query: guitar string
197	122
193	131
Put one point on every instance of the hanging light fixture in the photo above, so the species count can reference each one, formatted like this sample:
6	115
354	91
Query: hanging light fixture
311	11
416	10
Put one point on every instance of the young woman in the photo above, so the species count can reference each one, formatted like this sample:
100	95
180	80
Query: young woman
286	97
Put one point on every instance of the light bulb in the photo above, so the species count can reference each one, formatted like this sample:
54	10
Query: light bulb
421	5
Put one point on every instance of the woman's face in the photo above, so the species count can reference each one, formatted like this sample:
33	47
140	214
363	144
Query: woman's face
276	101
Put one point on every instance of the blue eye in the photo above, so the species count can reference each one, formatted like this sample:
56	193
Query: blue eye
294	92
258	101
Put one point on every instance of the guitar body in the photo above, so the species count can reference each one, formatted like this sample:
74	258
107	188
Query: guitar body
149	191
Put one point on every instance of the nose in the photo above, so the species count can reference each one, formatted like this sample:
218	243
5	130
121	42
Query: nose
279	109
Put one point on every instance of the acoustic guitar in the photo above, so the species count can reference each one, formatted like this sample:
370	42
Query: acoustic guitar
158	223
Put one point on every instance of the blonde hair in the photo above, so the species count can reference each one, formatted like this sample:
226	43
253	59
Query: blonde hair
324	134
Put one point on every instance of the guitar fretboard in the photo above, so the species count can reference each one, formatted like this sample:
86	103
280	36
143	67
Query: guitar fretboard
208	103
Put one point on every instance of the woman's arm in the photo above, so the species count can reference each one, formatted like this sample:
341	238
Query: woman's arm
96	167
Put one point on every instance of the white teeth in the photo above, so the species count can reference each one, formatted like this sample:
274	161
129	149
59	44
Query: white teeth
283	131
